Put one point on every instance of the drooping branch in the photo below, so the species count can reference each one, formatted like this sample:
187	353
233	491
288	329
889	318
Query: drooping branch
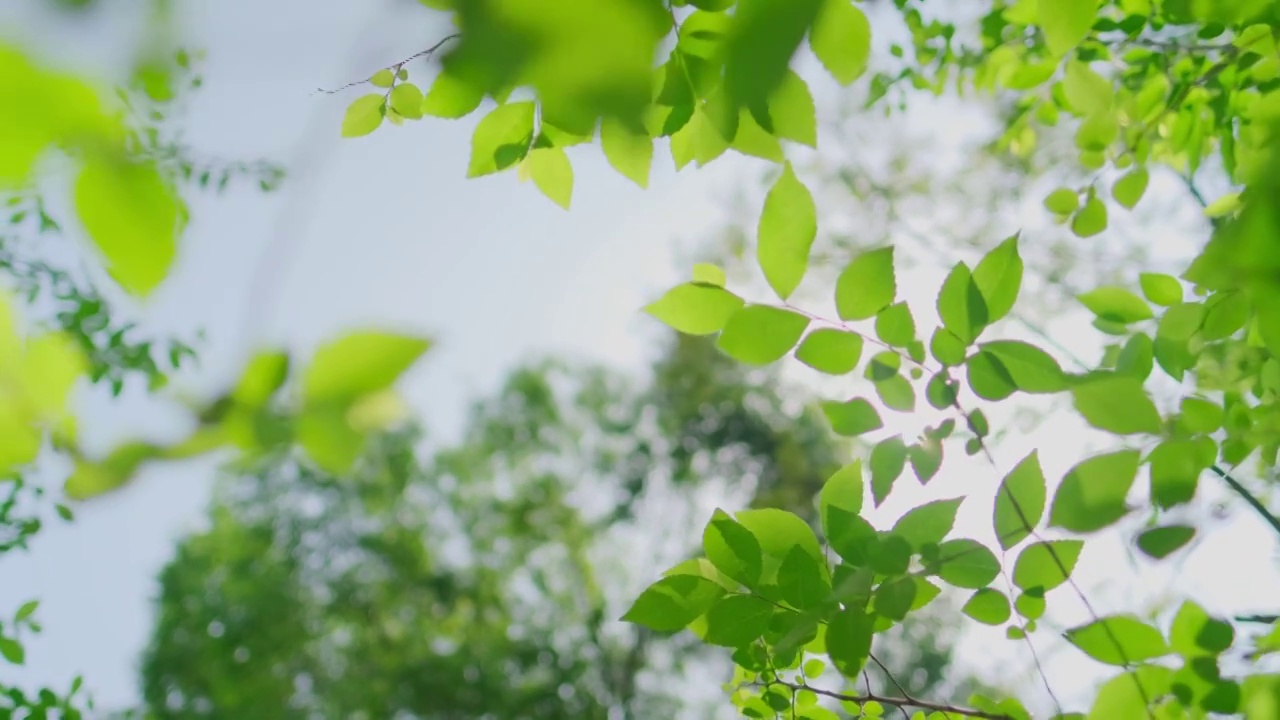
395	67
898	702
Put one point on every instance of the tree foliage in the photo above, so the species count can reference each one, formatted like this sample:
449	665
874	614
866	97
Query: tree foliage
1143	87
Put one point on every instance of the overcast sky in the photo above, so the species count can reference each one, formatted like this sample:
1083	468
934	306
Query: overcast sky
385	230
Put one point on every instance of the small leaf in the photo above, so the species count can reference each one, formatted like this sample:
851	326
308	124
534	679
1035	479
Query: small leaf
629	152
888	458
852	418
364	115
1195	634
406	99
1128	190
947	348
928	523
384	78
831	351
1161	289
926	459
867	285
1090	219
695	309
708	274
988	606
843	490
788	225
359	363
759	334
451	97
988	377
12	651
1031	369
1161	542
895	326
551	172
1118	640
966	564
1117	403
1041	565
26	610
1175	471
1092	495
1019	502
1062	201
1117	305
673	602
737	620
841	39
501	138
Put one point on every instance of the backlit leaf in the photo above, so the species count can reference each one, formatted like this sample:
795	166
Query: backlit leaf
1118	640
788	225
1116	403
961	305
988	606
1065	22
133	217
737	620
841	39
1117	305
928	523
364	115
867	285
1092	495
1044	566
673	602
1019	502
831	351
551	172
888	458
852	418
501	138
966	564
695	309
999	278
629	152
760	334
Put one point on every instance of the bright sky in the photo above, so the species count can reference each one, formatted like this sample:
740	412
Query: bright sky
385	230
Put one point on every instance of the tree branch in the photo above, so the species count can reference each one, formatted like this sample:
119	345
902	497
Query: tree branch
1249	497
898	702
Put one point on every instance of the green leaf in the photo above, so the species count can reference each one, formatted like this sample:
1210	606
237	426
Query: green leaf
888	458
12	651
1200	415
737	620
844	491
1031	369
801	580
1117	305
695	309
1160	288
1037	569
852	418
896	393
961	305
966	564
1019	502
1118	640
501	138
926	459
406	99
1129	189
133	217
628	151
928	523
764	36
1062	201
364	115
264	374
1225	314
848	640
792	111
831	351
895	326
988	377
1091	219
551	172
893	599
1030	605
384	78
947	347
867	285
988	606
1137	359
1161	542
1127	695
329	439
359	363
778	531
788	225
452	97
1175	471
1092	495
1116	403
1065	22
760	334
841	40
26	610
941	392
999	277
1195	634
732	549
673	602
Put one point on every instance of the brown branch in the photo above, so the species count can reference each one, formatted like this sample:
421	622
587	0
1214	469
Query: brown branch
898	702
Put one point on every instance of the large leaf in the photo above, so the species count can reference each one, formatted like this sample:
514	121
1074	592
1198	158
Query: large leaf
849	640
1116	403
831	351
737	620
928	523
759	334
1043	566
501	138
359	363
852	418
695	308
844	491
1030	369
867	285
764	36
1118	640
788	225
673	602
1019	501
1092	495
1065	22
132	216
1195	634
732	549
999	277
630	152
802	581
961	305
966	564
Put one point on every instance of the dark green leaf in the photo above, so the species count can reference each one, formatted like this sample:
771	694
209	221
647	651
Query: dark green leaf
732	549
894	598
849	640
1161	542
802	581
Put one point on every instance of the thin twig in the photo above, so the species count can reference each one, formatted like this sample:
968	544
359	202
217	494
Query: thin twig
1249	497
898	702
394	67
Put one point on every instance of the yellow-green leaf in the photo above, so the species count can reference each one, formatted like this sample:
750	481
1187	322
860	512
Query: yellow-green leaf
788	226
359	363
552	174
841	39
629	152
133	216
364	115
